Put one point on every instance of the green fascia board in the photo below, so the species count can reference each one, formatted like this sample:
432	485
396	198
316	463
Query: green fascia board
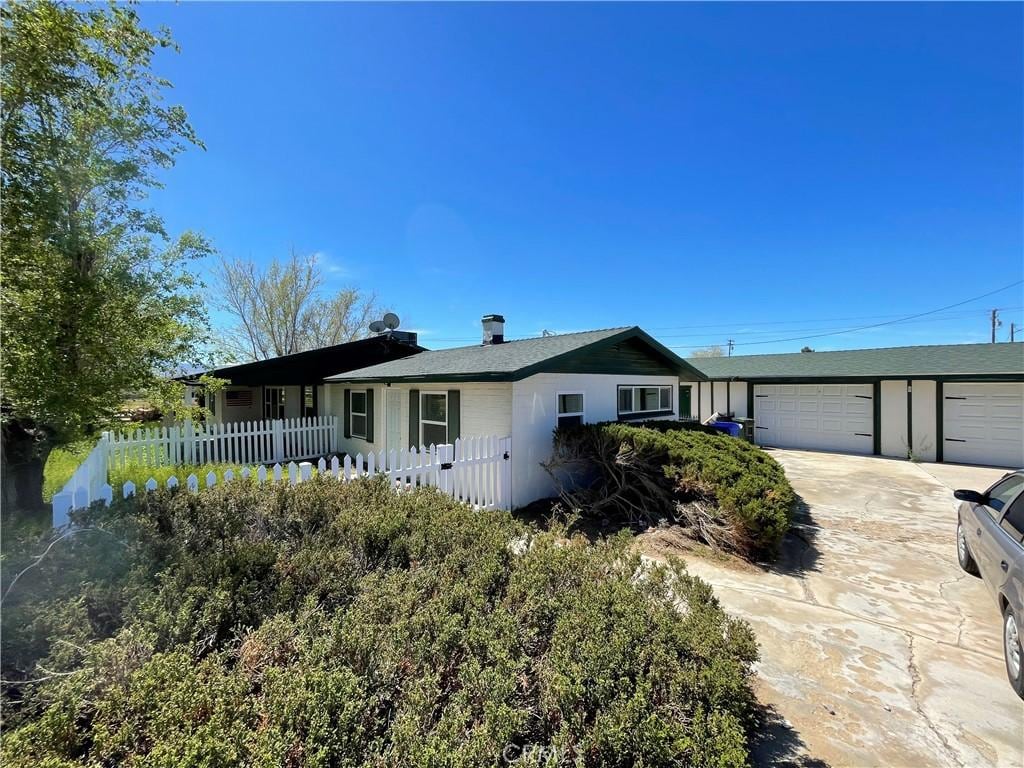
635	332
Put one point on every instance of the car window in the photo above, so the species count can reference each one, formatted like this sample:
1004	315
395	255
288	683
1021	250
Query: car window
1002	493
1013	520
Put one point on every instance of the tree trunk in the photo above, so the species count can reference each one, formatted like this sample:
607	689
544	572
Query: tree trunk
23	453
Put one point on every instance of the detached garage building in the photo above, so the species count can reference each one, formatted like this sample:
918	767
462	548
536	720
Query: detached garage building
959	403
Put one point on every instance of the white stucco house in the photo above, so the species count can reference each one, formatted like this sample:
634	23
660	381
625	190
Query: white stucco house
961	403
521	389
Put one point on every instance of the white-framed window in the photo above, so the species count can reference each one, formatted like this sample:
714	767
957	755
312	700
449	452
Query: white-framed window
570	409
644	399
357	413
273	402
433	418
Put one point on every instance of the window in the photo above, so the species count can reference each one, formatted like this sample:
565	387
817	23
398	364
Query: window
1013	520
308	400
570	409
238	398
273	402
357	414
434	418
636	400
1002	493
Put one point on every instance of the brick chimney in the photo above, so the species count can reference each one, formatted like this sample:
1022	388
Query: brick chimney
494	329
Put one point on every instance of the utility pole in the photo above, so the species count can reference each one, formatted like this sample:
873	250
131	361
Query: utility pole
731	345
995	324
1013	331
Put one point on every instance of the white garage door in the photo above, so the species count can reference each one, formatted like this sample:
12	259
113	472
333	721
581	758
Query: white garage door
983	424
823	417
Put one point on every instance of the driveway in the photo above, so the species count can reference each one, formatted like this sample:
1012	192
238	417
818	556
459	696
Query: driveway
876	649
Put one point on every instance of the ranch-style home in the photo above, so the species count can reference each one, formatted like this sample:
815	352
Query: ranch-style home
520	389
961	403
292	386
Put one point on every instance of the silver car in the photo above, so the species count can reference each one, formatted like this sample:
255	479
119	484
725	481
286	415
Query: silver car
989	536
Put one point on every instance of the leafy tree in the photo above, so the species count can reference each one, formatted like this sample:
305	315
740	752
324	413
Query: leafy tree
95	299
806	349
713	351
280	309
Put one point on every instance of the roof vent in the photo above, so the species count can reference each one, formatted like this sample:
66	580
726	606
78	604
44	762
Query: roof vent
494	329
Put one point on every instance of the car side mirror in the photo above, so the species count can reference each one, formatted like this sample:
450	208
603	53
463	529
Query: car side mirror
972	496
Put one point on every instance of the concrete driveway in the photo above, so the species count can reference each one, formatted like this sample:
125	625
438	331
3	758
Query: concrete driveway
876	649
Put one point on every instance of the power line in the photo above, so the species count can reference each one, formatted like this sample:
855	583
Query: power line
713	337
733	324
938	318
829	332
889	322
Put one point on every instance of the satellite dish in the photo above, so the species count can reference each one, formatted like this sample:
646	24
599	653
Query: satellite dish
377	326
391	321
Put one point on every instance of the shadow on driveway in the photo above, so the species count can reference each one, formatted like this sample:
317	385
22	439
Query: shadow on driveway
777	745
799	552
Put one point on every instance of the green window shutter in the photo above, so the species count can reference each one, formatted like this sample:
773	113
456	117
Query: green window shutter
348	413
414	417
454	412
369	415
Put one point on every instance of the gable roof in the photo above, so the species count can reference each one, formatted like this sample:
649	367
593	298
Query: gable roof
934	360
313	366
512	360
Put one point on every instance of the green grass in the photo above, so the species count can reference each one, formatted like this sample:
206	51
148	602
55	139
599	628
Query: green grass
140	474
62	463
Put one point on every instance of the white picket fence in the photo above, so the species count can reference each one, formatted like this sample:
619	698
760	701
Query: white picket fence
87	484
475	470
252	442
243	442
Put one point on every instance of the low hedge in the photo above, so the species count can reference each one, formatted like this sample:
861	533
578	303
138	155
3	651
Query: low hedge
331	624
656	471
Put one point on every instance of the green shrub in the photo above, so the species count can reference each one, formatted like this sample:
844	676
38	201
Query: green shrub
729	492
330	624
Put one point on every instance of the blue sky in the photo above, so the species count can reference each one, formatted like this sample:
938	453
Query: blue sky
755	172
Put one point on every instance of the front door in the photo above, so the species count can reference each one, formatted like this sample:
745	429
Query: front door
684	401
393	415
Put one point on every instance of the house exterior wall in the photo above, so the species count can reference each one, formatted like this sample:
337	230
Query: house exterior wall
738	398
729	397
485	408
525	410
228	414
894	418
535	413
924	431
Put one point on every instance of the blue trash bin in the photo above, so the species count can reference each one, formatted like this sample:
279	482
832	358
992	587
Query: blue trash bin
731	428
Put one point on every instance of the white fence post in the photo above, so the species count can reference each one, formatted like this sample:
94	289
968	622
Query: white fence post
445	459
189	453
505	474
277	438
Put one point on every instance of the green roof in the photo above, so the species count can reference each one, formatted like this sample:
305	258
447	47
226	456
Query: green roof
511	360
937	360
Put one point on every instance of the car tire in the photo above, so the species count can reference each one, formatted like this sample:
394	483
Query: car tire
1013	653
963	554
